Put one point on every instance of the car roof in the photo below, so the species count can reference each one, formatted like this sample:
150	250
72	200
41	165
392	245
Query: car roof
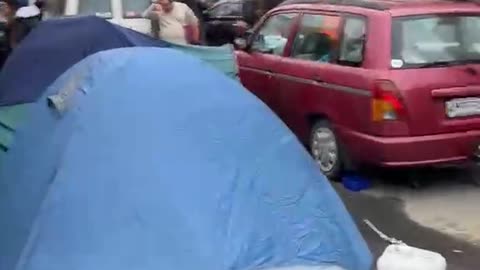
382	4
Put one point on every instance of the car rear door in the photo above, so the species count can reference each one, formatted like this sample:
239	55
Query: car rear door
261	61
323	77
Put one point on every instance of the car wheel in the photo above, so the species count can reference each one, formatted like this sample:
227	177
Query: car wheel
325	149
474	171
414	180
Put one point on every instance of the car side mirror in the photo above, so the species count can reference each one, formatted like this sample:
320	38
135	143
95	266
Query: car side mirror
248	33
240	44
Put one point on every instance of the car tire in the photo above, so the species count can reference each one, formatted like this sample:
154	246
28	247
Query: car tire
326	150
474	171
414	179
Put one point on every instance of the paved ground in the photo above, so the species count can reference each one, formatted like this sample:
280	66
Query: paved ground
443	215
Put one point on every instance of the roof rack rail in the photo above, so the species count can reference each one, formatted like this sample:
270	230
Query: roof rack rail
369	4
467	1
356	3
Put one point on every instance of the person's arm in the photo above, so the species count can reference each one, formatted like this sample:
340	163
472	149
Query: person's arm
150	12
192	23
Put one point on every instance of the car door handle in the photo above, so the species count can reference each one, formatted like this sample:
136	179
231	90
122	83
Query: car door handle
318	79
270	73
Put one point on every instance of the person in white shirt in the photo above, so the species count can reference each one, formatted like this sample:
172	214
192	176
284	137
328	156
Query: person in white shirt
177	22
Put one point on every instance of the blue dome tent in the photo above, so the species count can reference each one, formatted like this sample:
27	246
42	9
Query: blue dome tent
120	168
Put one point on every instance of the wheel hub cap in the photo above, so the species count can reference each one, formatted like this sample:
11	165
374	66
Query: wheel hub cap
324	149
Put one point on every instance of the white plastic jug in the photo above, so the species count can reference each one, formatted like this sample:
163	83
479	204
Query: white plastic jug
403	257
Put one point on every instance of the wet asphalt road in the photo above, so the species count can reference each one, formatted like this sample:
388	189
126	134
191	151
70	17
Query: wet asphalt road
388	215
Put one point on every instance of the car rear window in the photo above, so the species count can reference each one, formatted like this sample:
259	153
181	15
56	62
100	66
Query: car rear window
134	8
435	40
100	8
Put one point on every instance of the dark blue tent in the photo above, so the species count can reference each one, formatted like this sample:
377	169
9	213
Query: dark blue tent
121	168
56	45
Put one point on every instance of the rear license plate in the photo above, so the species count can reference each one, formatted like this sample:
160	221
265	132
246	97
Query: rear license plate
462	107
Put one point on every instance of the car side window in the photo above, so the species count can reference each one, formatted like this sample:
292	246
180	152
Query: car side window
353	42
273	34
226	9
316	38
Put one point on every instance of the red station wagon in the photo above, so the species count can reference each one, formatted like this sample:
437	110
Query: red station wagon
391	83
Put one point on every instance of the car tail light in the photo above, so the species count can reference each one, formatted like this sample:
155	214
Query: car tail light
386	102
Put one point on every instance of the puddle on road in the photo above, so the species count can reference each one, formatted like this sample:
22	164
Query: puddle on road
447	203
